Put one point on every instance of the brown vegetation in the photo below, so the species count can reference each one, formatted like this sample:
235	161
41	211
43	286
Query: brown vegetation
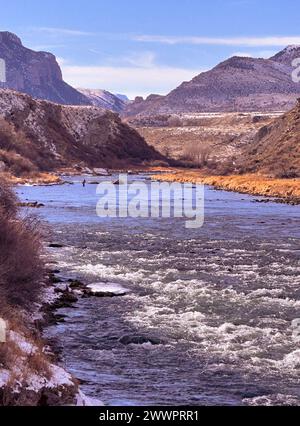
287	189
198	153
17	154
21	268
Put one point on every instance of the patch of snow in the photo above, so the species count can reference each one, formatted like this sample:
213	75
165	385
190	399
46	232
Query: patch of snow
84	401
59	377
26	347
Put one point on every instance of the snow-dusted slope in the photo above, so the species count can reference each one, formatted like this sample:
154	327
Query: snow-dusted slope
235	85
63	135
104	99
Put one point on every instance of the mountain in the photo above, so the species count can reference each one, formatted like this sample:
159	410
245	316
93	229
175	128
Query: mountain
276	147
237	84
48	136
104	99
123	98
287	55
35	73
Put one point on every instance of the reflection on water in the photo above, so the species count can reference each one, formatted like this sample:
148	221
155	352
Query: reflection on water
220	299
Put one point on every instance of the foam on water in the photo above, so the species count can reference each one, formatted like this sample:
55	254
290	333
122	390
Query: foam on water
221	300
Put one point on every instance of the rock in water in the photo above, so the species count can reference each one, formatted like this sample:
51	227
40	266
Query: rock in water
106	290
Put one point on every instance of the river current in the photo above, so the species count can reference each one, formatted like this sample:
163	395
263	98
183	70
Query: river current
222	301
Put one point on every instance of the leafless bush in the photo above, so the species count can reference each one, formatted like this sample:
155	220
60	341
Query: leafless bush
16	151
174	121
198	152
21	267
8	200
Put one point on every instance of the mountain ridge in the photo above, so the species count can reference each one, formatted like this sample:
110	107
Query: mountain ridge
104	99
238	84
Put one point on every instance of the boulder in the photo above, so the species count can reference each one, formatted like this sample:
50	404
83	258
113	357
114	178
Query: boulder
139	340
101	172
106	290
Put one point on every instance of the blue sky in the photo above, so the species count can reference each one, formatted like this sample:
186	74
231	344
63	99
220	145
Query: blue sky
140	47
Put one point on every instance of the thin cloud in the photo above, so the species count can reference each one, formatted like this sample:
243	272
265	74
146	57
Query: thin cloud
234	41
63	31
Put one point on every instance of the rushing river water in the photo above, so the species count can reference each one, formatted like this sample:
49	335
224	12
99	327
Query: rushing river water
221	300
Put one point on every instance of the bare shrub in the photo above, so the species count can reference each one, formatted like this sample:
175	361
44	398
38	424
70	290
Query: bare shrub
8	200
16	150
198	152
174	121
17	164
21	267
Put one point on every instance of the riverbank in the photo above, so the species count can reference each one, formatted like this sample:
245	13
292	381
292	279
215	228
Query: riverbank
31	179
29	370
287	190
30	374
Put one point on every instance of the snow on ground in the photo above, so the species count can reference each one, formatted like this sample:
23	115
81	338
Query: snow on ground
85	401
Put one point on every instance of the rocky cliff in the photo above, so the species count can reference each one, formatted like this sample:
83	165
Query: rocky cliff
35	73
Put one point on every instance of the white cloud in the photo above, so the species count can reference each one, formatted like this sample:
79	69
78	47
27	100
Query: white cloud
143	60
63	31
133	81
221	41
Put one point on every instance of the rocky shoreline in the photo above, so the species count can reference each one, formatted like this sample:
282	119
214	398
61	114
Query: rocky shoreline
52	385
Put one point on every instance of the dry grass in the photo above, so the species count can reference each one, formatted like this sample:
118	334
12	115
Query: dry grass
36	178
253	184
21	268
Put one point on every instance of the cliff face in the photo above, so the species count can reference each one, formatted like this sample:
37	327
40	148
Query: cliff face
35	73
276	148
59	135
237	84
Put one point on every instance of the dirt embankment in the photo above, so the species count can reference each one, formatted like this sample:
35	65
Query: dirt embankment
286	189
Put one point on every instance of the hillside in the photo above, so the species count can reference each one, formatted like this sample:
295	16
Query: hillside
35	73
237	84
276	147
104	99
48	136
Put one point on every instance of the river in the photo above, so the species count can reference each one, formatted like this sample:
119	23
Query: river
221	300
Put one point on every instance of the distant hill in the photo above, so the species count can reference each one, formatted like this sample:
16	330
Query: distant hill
104	99
41	135
276	148
123	98
237	84
35	73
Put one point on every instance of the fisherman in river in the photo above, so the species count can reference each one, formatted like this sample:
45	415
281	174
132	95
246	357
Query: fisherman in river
83	183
